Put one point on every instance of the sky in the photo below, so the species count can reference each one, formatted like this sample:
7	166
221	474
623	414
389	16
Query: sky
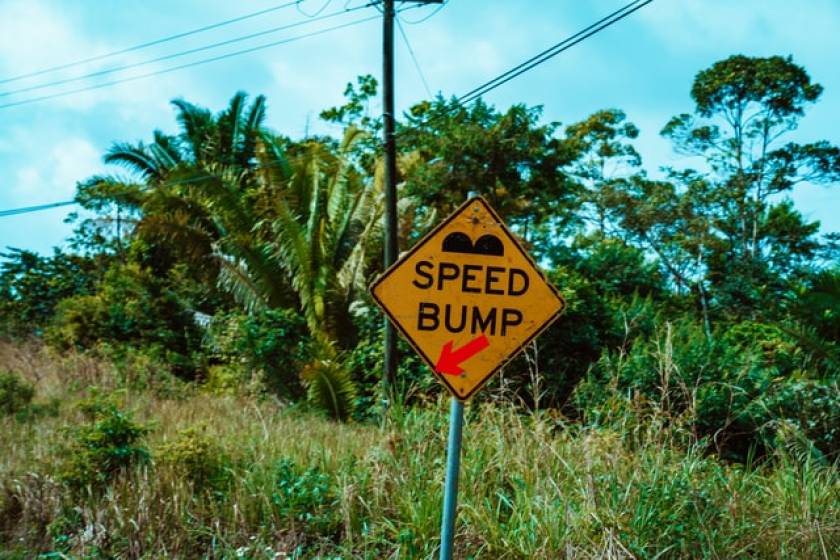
643	65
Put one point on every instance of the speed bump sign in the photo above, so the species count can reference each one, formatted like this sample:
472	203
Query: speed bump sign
467	297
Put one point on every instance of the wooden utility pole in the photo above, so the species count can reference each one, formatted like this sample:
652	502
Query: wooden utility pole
390	145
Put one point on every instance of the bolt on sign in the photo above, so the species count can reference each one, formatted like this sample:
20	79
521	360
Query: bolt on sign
467	297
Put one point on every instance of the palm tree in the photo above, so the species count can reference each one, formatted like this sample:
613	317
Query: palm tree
327	220
272	230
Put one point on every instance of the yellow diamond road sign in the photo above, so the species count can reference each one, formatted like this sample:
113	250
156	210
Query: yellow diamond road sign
467	297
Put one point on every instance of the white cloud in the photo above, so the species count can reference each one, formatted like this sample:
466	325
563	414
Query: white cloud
55	35
54	176
47	34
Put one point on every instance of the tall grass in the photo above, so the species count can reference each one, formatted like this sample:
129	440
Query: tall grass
302	486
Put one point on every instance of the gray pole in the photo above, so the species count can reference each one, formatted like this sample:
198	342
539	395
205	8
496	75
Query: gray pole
450	490
453	471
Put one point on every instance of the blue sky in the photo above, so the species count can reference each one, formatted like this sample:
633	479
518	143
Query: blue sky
644	65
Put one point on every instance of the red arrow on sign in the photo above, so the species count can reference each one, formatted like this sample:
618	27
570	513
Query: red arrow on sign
449	361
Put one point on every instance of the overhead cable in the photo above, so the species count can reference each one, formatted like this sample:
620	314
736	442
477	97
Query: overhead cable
179	54
554	50
471	95
188	65
38	208
567	43
148	43
414	58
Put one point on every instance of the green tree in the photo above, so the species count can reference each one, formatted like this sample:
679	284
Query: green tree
31	286
604	158
131	306
193	193
274	223
510	158
746	241
326	218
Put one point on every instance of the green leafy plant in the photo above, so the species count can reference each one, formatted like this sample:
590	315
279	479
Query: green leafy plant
732	389
109	443
131	307
804	408
304	495
272	342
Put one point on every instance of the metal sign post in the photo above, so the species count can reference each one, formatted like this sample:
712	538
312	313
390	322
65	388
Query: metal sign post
450	489
453	472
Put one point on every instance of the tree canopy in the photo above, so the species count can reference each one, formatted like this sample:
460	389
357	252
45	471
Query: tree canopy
702	290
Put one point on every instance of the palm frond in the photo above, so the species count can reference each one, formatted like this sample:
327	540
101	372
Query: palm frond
196	124
181	230
164	152
135	158
99	191
235	278
330	387
230	126
273	160
251	130
351	275
293	249
315	202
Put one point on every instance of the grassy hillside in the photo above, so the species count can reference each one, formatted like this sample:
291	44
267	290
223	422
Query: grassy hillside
182	472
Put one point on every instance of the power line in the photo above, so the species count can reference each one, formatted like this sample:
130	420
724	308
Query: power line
239	39
473	94
428	17
414	58
188	65
554	50
171	183
40	207
567	43
317	13
149	43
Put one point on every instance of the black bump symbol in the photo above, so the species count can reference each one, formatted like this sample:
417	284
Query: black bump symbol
458	242
489	245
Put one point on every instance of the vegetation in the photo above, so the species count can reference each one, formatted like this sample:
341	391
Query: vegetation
213	328
244	476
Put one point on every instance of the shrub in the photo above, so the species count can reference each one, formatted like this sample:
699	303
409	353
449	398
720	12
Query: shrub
808	407
274	342
224	379
133	307
32	285
198	458
147	368
15	394
734	388
305	496
107	445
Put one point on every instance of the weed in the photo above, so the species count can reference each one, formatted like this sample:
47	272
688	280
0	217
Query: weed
197	457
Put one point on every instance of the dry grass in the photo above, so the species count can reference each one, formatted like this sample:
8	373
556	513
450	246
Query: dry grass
531	487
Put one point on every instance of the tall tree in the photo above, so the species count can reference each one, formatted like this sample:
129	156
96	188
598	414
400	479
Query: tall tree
748	240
